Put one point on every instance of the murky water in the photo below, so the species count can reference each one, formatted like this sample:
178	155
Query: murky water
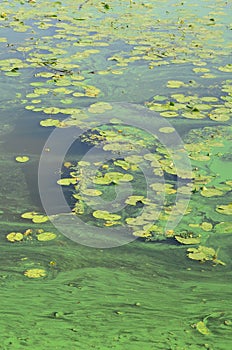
169	289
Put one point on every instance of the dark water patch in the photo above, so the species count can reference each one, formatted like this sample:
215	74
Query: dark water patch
28	137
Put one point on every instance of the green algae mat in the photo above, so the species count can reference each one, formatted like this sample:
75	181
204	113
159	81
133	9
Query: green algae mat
116	175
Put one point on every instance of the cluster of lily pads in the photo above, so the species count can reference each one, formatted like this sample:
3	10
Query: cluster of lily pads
30	234
33	235
192	106
63	50
91	180
67	73
145	217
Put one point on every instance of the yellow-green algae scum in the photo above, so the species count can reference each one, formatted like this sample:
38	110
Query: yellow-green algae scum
59	57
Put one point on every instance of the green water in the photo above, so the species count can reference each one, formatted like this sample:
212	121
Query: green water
147	294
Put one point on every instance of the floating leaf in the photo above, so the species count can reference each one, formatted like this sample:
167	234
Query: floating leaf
14	236
209	99
223	117
22	159
114	177
200	157
134	159
211	192
35	273
168	188
119	177
202	253
102	180
67	181
206	226
166	130
79	207
67	164
201	70
132	200
142	234
29	215
46	236
103	214
175	84
118	147
223	227
91	192
45	74
83	163
159	98
50	122
112	223
122	163
138	221
91	91
201	327
115	121
37	219
226	68
99	107
208	76
193	115
51	110
197	255
189	240
224	209
169	114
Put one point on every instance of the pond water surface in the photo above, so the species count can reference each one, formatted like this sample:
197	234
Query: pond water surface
140	94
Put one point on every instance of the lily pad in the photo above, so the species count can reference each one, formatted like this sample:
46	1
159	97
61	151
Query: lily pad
35	273
29	215
14	236
51	110
22	159
122	163
223	227
46	236
105	215
99	107
169	114
219	117
49	122
91	192
206	226
202	253
166	130
109	223
226	68
224	209
175	84
83	163
142	234
67	181
37	219
102	180
189	240
134	159
201	327
132	200
114	177
211	192
119	177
